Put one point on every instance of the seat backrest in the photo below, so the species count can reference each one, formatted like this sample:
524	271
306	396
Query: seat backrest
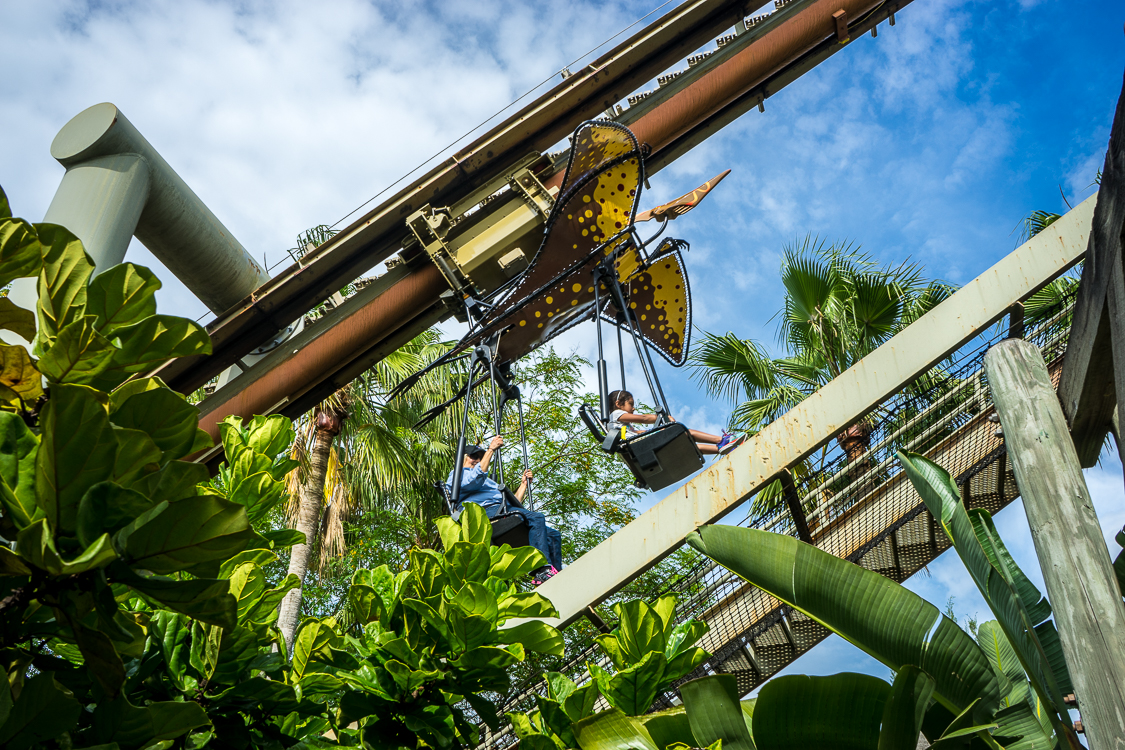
610	442
591	422
662	456
507	528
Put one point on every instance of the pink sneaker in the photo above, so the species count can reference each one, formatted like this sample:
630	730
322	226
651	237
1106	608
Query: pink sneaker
546	575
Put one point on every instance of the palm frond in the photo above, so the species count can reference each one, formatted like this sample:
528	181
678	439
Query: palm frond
730	367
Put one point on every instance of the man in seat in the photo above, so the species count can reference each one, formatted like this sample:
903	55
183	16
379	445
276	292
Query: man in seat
477	487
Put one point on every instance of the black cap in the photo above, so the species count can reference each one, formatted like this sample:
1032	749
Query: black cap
474	451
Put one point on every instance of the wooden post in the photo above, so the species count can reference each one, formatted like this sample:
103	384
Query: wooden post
1081	584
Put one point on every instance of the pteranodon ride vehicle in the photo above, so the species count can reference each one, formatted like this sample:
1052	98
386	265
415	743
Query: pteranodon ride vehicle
592	264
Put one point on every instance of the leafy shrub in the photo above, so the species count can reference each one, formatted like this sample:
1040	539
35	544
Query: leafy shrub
134	610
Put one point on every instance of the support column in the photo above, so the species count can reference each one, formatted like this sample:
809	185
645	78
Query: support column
117	185
1068	540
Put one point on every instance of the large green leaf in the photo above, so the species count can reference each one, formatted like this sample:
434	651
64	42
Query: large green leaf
258	493
890	623
133	727
640	629
204	599
18	448
1048	637
171	631
311	643
62	281
76	451
16	319
1037	607
78	355
156	339
176	479
108	507
475	526
137	457
841	711
12	564
194	534
552	714
467	562
612	730
1003	658
259	693
632	690
475	599
534	635
905	709
270	435
1017	606
1018	728
121	295
37	546
43	710
714	712
168	418
21	255
509	564
670	726
530	604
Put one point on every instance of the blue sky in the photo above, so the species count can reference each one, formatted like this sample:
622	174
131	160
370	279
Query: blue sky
930	142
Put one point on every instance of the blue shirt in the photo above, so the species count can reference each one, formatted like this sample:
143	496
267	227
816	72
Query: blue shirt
477	487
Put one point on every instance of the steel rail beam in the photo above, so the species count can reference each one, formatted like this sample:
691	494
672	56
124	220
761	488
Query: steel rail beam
331	352
735	478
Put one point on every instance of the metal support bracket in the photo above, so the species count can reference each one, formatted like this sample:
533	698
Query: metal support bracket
528	187
841	19
430	226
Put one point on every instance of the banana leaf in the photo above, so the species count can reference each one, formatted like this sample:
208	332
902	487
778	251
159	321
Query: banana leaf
877	615
1015	601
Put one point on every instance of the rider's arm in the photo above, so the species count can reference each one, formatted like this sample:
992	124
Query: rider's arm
637	418
522	489
492	446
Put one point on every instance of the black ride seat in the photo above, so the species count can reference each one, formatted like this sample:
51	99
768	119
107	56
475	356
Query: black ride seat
658	457
507	528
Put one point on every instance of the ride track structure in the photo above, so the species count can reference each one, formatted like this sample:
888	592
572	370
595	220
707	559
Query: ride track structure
497	192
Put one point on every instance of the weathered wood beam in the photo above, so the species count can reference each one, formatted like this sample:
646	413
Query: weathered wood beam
1081	583
1087	389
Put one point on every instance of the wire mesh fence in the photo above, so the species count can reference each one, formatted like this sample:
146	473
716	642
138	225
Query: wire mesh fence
859	506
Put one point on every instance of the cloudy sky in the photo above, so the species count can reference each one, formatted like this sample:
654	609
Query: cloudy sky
930	142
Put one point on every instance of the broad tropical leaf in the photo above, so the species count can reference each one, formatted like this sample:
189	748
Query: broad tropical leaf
77	450
1018	606
841	711
194	534
890	623
715	713
120	296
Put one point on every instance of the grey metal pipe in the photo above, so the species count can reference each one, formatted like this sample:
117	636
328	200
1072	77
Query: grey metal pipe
117	186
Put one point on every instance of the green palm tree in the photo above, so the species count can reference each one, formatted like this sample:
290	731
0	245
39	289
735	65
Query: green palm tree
839	307
359	453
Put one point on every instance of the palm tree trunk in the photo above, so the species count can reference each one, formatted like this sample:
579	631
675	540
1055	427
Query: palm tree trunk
308	521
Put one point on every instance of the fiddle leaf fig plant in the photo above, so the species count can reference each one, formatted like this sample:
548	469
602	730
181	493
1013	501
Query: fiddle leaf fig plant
137	607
